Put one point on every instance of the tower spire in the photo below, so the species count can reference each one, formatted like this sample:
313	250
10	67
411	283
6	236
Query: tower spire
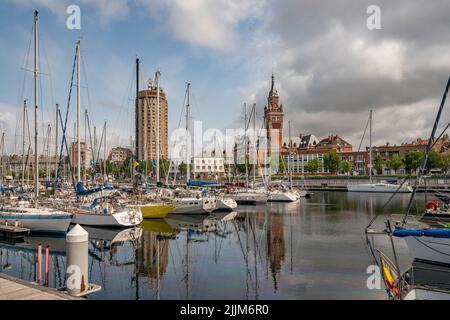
273	90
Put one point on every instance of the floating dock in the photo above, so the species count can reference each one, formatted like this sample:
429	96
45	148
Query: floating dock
12	234
16	289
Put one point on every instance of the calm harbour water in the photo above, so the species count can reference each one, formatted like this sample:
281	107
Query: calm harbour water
314	249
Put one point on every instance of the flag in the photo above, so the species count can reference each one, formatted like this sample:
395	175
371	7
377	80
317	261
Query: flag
389	275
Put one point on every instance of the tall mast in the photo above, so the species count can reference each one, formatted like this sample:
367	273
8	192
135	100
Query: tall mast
23	141
136	112
47	168
1	159
86	140
94	161
104	156
431	140
136	124
370	146
36	163
245	146
78	114
188	150
255	155
157	126
56	140
290	155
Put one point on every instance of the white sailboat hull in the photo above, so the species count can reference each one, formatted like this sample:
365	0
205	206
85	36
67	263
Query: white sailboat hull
429	249
249	197
41	220
122	219
378	187
194	206
226	204
280	196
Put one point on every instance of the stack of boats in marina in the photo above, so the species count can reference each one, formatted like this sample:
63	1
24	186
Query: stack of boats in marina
102	205
32	214
427	237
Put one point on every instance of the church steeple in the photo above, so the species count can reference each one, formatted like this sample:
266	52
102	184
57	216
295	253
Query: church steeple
273	91
273	115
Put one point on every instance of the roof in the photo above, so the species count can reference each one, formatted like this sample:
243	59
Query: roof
302	141
333	141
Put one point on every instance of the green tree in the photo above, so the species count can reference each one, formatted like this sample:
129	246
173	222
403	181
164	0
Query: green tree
444	162
433	160
395	163
313	165
412	161
378	164
346	166
331	161
182	168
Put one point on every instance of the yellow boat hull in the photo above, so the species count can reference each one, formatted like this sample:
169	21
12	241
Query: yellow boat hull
157	211
157	225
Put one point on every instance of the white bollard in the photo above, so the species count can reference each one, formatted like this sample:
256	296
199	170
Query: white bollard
77	260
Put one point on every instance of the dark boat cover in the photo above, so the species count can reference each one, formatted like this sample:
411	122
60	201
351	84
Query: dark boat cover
435	233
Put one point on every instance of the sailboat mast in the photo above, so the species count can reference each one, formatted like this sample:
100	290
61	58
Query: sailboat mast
78	114
188	153
370	147
104	157
245	146
1	159
157	126
36	163
23	141
255	156
136	112
47	168
290	156
56	140
427	150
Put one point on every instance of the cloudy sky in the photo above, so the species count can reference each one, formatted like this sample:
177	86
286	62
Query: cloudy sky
330	68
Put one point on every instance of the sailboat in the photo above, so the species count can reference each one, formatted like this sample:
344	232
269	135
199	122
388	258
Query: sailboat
185	201
104	210
255	195
36	218
279	192
382	186
155	209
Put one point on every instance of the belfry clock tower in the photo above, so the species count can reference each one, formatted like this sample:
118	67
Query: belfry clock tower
273	115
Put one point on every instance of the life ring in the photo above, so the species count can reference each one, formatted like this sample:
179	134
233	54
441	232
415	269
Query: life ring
432	205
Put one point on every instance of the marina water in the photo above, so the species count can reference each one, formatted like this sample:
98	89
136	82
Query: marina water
312	249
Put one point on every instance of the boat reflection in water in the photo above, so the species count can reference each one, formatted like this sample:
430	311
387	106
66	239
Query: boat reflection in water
162	236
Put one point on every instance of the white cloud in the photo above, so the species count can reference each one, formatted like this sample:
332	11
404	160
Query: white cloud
386	59
204	23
